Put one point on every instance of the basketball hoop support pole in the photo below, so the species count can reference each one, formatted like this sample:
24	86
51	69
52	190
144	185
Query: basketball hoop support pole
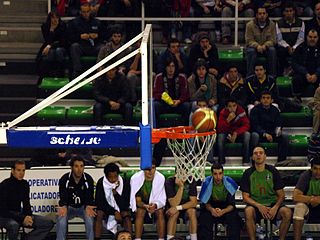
145	127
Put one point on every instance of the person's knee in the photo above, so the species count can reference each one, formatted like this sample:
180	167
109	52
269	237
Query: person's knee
140	214
74	47
192	214
249	213
12	226
285	214
251	50
300	211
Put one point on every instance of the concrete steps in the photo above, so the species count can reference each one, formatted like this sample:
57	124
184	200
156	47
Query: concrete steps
23	7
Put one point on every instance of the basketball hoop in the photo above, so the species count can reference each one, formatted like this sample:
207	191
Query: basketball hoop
190	150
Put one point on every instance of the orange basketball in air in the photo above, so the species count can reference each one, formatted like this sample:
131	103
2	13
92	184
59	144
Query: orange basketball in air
204	120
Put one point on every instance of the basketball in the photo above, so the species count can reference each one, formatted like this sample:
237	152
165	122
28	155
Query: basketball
204	120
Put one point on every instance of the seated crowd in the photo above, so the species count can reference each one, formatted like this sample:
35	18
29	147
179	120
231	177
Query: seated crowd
244	105
148	196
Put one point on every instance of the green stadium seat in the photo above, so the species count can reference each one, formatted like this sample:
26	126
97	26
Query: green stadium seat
297	119
235	55
137	116
113	118
88	59
51	83
284	86
52	115
80	115
52	112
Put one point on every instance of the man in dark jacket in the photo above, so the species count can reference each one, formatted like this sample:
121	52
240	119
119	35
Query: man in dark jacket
233	125
232	85
174	50
112	199
306	64
15	208
85	36
206	50
257	83
76	191
112	95
266	125
314	23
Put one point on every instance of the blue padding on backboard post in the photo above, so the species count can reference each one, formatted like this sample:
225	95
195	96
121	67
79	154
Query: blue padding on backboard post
145	147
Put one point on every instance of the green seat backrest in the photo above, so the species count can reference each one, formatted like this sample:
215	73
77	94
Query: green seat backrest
52	112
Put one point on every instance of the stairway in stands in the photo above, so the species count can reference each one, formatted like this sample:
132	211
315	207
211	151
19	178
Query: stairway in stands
20	40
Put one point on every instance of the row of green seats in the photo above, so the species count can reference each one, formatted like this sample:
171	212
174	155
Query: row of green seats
79	112
53	83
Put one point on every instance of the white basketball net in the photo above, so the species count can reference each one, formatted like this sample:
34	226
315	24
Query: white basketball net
191	156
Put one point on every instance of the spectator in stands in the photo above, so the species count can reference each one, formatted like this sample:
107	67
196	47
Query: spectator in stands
66	7
86	36
304	7
266	125
112	95
134	74
262	191
112	200
111	46
260	40
307	197
50	57
273	7
148	195
314	23
182	200
173	50
175	85
232	85
228	9
258	83
234	125
210	8
76	191
15	208
202	86
314	104
218	204
181	8
306	65
290	34
159	8
206	50
123	235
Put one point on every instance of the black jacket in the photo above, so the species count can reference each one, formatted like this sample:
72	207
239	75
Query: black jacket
13	194
196	53
79	25
254	88
306	60
116	90
76	195
265	120
122	200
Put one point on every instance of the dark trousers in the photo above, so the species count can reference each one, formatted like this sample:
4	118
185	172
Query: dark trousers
78	50
206	221
282	140
41	227
125	110
243	138
299	84
161	107
282	56
252	55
